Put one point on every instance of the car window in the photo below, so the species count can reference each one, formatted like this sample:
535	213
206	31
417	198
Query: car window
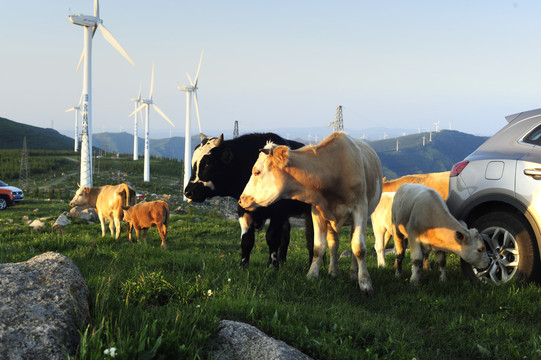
3	183
534	137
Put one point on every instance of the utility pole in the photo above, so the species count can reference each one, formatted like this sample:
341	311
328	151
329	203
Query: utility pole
23	175
338	123
236	130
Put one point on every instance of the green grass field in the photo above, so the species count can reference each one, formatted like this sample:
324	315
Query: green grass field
150	303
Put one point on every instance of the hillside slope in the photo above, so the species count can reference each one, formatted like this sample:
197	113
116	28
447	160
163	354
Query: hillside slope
37	138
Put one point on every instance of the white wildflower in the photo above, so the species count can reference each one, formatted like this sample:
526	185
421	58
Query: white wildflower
111	352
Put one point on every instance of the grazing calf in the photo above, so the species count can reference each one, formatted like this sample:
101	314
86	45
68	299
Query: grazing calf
340	177
420	215
438	181
382	225
108	201
145	215
222	168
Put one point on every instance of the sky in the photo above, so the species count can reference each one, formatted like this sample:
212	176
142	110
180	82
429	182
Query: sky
277	64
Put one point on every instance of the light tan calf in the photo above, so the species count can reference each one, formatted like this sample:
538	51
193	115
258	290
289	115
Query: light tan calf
420	215
145	215
108	201
341	178
438	181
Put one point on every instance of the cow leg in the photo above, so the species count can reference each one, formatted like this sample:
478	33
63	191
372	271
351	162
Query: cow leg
117	225
112	226
332	240
441	261
358	247
138	233
416	259
309	234
102	223
382	238
145	231
247	237
400	244
162	229
129	227
320	243
278	226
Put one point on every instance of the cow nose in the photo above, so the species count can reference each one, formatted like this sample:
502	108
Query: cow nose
246	201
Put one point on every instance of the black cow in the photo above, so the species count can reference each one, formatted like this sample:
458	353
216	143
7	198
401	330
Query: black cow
222	168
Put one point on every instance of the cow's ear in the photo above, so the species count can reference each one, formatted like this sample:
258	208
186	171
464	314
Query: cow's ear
280	156
203	136
227	156
460	237
384	179
87	190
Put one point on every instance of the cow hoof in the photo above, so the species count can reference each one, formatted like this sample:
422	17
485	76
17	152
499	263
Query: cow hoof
369	293
398	274
244	263
312	275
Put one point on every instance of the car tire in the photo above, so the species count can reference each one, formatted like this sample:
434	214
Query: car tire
511	248
3	203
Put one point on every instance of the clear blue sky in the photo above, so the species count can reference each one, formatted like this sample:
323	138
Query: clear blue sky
274	64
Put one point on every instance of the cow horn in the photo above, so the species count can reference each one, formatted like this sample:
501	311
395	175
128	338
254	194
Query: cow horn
203	136
220	140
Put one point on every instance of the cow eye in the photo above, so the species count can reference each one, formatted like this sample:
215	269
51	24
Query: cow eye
257	172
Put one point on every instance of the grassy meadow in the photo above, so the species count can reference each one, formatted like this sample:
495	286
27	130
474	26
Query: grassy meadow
149	303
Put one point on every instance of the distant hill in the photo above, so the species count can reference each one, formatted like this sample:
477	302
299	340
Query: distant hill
122	143
37	138
446	148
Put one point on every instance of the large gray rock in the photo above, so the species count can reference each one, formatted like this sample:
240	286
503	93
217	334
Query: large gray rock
85	213
240	341
43	302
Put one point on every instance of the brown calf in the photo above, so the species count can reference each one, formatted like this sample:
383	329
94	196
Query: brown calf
145	215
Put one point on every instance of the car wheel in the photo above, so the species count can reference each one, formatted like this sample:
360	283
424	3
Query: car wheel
3	203
510	247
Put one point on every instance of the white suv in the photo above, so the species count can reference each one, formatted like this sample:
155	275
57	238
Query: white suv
497	189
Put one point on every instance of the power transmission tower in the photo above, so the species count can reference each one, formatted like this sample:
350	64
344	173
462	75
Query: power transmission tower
23	175
236	130
338	123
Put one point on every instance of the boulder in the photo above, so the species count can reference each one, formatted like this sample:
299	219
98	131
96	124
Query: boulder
85	213
62	220
44	304
37	224
240	341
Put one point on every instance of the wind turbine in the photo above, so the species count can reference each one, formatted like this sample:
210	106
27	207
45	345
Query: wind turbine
90	24
190	89
137	102
77	109
146	104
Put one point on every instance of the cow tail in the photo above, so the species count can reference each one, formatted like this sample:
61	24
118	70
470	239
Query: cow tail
166	212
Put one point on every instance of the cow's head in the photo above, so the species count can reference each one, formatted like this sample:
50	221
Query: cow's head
210	159
81	197
267	183
472	247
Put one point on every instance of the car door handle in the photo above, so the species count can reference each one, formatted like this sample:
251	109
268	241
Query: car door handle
532	172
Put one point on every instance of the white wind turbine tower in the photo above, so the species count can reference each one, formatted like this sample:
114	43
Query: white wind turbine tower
146	104
77	109
90	24
190	89
137	102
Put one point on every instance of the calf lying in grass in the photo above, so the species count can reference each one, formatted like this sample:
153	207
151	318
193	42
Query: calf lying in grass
145	215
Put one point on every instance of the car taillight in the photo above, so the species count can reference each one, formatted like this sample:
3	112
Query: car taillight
457	168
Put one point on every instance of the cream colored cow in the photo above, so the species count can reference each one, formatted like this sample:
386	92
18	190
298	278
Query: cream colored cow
340	177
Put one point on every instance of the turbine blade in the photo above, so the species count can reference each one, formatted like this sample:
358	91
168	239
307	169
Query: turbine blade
197	110
81	60
140	86
138	109
190	79
70	109
111	39
96	9
159	111
151	83
198	68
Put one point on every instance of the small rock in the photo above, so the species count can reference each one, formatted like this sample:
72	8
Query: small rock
62	220
37	224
